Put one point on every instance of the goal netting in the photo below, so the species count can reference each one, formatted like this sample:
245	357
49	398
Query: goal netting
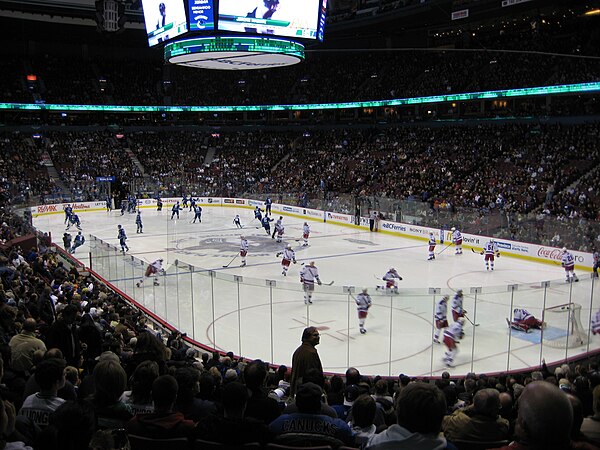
563	326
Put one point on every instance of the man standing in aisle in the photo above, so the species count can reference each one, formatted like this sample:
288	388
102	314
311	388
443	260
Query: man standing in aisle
305	357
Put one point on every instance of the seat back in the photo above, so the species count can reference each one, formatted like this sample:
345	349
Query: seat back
201	444
273	446
145	443
478	445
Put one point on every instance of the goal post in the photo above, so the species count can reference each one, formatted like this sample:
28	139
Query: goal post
563	326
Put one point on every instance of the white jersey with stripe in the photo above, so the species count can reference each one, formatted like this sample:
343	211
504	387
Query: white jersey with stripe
490	248
520	314
363	301
309	274
441	310
457	303
289	254
454	331
244	244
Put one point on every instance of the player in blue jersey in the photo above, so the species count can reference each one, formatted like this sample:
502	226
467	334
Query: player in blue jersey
138	222
68	211
266	223
197	213
122	237
258	214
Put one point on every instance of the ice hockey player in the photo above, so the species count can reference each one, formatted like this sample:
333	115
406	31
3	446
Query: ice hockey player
441	317
268	203
123	206
457	241
305	234
431	247
524	321
391	278
151	271
452	336
122	237
363	303
280	231
277	226
68	211
74	220
175	210
490	250
243	250
192	203
596	323
159	204
138	222
258	214
197	214
184	201
457	306
289	256
266	223
596	259
308	275
77	242
568	262
236	221
67	241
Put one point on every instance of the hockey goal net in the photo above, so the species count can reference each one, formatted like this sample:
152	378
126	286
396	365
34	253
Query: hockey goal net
563	326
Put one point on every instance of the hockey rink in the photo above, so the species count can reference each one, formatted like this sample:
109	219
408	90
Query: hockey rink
256	312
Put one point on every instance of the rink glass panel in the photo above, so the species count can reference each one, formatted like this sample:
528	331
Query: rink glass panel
258	318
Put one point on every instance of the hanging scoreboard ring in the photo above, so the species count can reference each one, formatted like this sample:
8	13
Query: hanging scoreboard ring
234	52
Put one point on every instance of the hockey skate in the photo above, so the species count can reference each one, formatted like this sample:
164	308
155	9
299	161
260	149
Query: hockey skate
363	331
437	341
138	284
156	283
243	264
284	273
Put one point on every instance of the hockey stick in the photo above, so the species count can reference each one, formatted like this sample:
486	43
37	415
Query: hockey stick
444	249
327	284
479	253
474	324
229	263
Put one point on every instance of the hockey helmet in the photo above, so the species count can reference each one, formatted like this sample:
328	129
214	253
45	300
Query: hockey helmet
242	236
446	297
459	292
365	290
564	249
118	226
453	229
288	246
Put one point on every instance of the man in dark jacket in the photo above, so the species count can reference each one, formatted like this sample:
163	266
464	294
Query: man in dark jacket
163	423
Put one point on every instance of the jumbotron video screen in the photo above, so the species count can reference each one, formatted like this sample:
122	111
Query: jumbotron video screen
288	18
165	19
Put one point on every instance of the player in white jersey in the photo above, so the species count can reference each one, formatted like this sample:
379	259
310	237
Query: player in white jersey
237	222
457	240
289	256
568	262
363	303
441	317
308	275
431	247
596	323
391	278
457	306
490	250
278	224
523	320
452	336
280	230
243	249
305	234
151	271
